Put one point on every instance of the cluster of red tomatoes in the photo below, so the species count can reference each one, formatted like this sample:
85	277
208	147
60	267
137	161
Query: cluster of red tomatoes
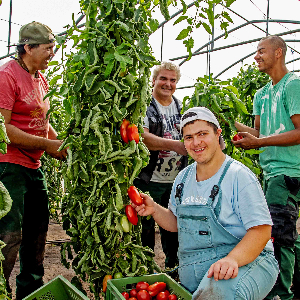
144	291
129	132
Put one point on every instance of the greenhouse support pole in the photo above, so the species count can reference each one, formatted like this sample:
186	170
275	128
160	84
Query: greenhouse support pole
162	43
268	9
9	27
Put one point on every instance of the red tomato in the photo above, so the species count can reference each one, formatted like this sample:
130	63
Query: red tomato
125	295
132	298
123	130
131	215
133	293
237	137
135	196
133	133
163	295
143	295
142	285
106	278
156	288
172	297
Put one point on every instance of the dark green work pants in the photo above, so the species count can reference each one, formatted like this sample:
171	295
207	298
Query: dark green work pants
24	228
282	195
160	192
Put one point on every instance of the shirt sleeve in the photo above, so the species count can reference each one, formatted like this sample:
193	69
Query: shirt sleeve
293	97
146	122
8	91
250	204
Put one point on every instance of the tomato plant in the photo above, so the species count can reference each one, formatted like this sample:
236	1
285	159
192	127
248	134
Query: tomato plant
131	215
135	196
5	204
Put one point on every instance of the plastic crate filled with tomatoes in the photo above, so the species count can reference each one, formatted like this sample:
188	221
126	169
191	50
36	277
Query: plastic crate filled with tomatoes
148	287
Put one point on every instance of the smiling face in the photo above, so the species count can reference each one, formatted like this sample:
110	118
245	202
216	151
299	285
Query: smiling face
266	56
42	55
202	142
37	58
164	85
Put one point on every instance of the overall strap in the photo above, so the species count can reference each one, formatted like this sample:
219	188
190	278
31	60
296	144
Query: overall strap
216	189
179	187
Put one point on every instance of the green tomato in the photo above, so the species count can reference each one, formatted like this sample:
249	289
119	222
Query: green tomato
118	275
125	224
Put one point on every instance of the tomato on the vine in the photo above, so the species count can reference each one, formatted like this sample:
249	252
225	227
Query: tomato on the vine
125	295
106	278
134	195
172	297
131	215
118	275
143	295
133	133
125	224
142	285
123	130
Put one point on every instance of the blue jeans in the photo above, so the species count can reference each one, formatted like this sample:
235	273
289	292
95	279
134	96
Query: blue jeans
253	282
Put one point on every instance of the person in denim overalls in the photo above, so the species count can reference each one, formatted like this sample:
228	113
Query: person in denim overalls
223	223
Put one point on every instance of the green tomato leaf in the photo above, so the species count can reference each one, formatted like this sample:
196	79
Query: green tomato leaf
206	27
184	33
153	24
181	18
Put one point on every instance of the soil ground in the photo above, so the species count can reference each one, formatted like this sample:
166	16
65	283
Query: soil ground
54	267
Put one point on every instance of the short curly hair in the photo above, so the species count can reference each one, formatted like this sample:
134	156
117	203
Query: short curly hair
166	65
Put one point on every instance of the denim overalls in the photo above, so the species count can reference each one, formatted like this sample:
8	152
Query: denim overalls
203	241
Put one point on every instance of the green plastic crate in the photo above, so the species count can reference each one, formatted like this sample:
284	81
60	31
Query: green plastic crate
117	286
58	288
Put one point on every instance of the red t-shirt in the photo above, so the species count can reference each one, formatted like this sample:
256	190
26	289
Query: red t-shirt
23	95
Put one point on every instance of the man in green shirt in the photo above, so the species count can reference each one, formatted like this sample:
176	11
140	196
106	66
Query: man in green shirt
277	131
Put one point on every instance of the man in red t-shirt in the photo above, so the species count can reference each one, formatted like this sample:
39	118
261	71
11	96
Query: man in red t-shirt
24	109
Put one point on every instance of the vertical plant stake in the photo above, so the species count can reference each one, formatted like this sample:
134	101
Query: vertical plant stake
105	82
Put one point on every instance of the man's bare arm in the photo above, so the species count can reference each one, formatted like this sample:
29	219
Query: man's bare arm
243	128
24	140
289	138
154	142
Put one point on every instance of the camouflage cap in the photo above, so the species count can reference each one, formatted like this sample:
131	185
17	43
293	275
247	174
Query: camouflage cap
35	33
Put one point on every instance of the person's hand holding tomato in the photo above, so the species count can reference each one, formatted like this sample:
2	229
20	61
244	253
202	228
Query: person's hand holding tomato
246	141
147	208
